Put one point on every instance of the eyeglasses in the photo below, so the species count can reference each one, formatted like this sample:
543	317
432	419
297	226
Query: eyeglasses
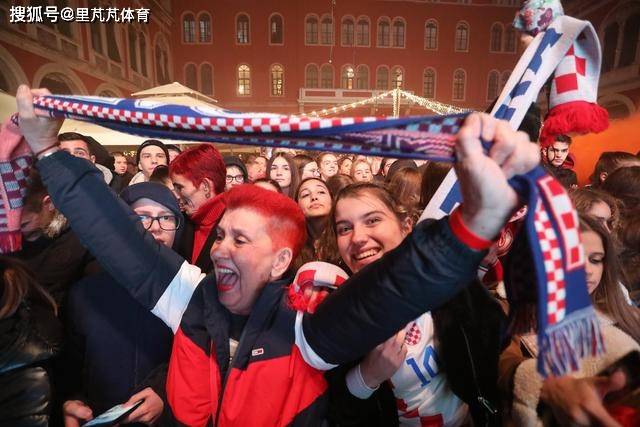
166	222
237	178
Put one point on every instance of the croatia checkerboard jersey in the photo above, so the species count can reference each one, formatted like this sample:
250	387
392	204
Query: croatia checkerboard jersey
422	393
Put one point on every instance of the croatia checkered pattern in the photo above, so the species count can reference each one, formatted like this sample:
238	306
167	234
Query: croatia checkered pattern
567	220
552	258
571	81
419	137
14	178
413	335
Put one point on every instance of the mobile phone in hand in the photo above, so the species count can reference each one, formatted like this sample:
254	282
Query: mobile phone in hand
113	415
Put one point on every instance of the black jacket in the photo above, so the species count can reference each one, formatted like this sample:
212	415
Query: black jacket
472	317
58	263
28	341
113	345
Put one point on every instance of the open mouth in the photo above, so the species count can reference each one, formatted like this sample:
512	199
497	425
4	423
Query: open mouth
226	279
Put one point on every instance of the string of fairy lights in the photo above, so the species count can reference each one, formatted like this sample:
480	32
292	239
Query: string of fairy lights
396	94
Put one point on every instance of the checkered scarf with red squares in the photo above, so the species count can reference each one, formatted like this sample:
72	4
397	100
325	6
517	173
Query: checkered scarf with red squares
567	325
312	283
15	161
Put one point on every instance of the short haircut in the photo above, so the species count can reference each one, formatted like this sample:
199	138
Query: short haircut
74	136
200	162
286	223
118	153
563	138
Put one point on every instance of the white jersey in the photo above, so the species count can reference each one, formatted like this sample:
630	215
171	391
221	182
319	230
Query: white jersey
421	390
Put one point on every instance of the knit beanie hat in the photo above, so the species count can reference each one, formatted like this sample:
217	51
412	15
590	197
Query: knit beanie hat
574	87
153	191
149	142
235	161
15	161
316	274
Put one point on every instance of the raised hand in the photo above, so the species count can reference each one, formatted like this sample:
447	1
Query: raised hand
488	200
40	132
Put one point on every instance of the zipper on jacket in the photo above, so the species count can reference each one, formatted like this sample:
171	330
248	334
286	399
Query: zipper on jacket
481	399
226	375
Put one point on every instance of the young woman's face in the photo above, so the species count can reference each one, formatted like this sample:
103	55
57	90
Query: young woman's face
345	168
366	229
280	172
594	254
310	170
362	172
314	199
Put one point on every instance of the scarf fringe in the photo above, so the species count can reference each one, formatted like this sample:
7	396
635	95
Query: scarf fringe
563	345
10	241
578	116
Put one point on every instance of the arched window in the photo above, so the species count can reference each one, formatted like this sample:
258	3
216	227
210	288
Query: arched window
504	79
429	83
492	85
630	41
431	35
609	47
190	77
326	30
276	32
204	25
244	80
206	79
57	83
311	76
398	33
347	77
346	34
133	49
459	83
398	78
362	77
277	80
362	32
462	37
311	30
496	38
383	33
510	40
382	78
188	28
242	29
326	77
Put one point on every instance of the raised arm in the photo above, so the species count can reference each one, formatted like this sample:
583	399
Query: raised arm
434	262
153	274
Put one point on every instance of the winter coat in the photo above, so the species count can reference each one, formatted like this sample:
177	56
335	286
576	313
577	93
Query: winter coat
29	340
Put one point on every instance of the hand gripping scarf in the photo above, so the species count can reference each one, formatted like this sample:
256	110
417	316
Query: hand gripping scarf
567	326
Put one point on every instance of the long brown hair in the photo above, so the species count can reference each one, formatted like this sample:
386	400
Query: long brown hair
295	174
585	198
18	284
328	248
405	185
608	297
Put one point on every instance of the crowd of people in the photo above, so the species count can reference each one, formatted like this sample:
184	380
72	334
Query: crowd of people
297	288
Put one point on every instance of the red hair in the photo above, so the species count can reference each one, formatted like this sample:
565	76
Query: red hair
198	163
286	226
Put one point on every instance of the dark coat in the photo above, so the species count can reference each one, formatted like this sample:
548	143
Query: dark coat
472	371
29	340
58	263
113	345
